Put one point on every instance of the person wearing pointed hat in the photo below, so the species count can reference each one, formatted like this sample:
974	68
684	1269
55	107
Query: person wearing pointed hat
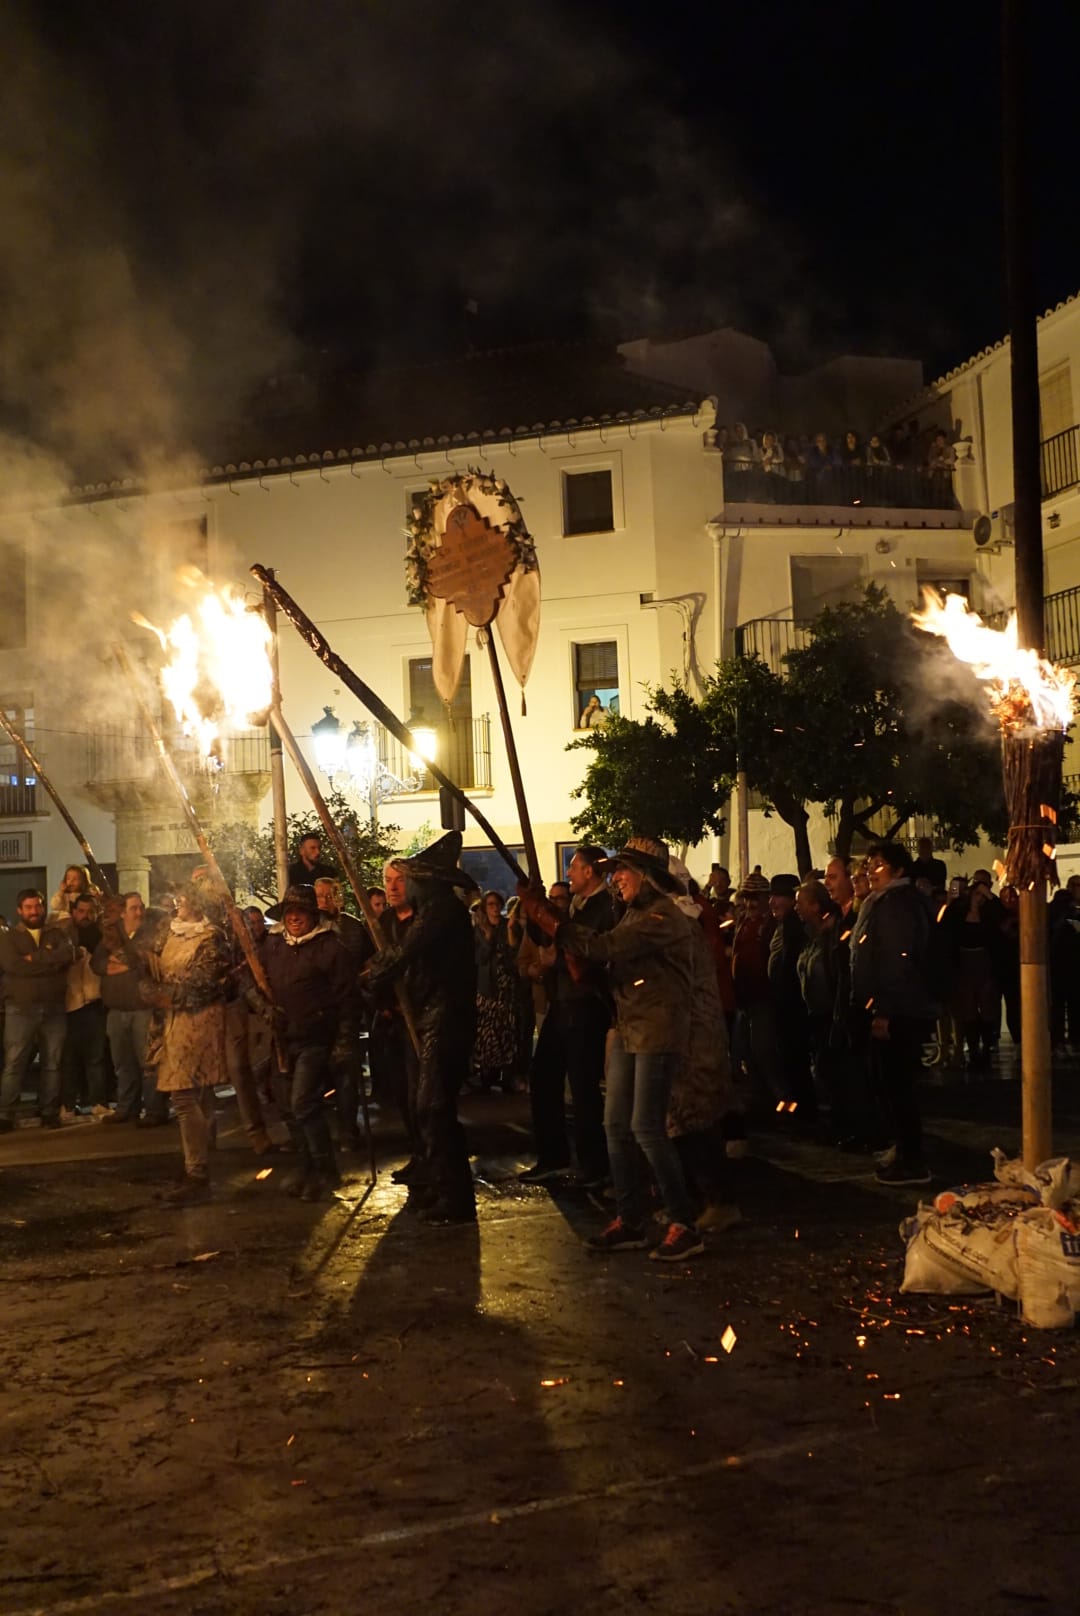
647	953
436	961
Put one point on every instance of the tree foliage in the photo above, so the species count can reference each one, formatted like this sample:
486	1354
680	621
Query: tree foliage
248	861
871	716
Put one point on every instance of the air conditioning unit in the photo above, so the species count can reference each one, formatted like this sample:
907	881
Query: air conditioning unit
996	530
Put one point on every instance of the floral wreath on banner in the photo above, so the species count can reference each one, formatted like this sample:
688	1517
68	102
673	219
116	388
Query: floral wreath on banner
423	538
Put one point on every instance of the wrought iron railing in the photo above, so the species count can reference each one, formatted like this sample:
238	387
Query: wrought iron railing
118	755
1060	461
463	751
17	800
894	487
771	638
1061	625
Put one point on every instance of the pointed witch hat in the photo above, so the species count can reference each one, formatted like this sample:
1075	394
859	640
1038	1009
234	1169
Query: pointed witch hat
439	862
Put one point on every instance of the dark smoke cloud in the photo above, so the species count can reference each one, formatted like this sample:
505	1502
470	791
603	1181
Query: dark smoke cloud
194	197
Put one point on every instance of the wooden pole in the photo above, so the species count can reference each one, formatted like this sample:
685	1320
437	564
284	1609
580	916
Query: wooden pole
277	760
378	708
360	891
239	925
87	851
512	758
1035	1048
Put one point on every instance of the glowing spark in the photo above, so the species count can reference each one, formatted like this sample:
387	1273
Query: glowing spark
728	1339
1023	687
264	1172
559	1380
860	1341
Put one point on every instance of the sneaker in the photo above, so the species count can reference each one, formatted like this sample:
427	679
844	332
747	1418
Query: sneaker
541	1172
191	1190
680	1242
900	1172
100	1111
618	1236
717	1217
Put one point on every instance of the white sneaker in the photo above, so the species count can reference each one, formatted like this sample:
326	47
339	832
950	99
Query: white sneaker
99	1111
717	1217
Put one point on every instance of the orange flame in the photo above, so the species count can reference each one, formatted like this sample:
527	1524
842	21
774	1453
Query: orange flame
1023	687
218	674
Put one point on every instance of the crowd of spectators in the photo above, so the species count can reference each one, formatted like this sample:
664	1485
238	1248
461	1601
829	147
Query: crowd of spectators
910	465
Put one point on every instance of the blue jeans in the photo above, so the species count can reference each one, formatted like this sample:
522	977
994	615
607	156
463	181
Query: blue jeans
638	1091
128	1031
299	1094
26	1028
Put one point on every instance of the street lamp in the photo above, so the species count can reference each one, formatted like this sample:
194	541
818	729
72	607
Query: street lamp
357	753
330	743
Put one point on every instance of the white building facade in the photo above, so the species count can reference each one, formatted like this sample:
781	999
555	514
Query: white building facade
651	567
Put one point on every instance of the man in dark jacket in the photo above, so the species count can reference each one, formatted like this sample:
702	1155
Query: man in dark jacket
34	959
572	1039
346	1060
648	958
436	961
312	980
308	865
889	945
394	1067
120	961
785	995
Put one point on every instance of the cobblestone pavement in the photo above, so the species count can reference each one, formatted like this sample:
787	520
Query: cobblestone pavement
257	1406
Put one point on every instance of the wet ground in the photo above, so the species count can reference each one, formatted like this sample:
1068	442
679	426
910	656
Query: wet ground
257	1406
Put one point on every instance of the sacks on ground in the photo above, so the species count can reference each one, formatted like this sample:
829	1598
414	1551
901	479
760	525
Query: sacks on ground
932	1269
1015	1197
1054	1182
1048	1265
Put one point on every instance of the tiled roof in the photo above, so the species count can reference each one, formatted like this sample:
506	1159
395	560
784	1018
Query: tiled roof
483	398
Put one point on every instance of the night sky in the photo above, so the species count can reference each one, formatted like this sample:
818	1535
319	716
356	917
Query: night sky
197	194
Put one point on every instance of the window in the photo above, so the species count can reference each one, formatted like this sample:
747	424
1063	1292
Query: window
820	581
454	729
1055	401
931	575
17	780
588	502
596	683
12	596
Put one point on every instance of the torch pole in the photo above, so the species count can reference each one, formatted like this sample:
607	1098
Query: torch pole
18	740
236	919
1035	1051
378	708
360	891
277	759
512	758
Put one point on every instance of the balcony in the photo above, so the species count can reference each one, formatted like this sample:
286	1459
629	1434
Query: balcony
771	638
1060	456
927	497
463	751
1061	626
18	799
123	772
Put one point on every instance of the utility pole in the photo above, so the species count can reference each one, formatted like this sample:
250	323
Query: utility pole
1035	1053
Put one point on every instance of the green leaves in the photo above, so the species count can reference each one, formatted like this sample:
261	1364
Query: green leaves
248	862
869	718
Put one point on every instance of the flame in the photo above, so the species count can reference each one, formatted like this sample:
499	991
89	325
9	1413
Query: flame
218	674
1023	687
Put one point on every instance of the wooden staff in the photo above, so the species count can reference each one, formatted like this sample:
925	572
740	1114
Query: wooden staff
378	708
277	770
18	740
512	758
360	891
239	925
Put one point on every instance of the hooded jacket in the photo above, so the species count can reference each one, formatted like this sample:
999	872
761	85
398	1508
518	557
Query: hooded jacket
647	954
312	980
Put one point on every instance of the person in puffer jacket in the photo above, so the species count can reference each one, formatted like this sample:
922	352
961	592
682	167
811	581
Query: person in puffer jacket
649	973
